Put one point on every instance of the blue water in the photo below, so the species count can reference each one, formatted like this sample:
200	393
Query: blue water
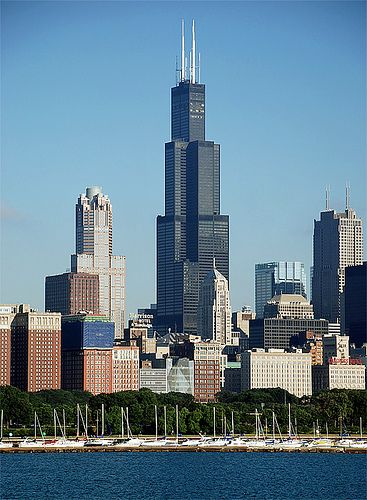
174	475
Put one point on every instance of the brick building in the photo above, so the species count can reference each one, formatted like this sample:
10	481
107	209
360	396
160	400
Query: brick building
35	350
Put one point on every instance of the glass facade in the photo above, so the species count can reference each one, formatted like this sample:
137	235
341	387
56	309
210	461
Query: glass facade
192	232
276	278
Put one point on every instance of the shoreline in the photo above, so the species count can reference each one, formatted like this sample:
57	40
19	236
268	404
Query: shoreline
186	449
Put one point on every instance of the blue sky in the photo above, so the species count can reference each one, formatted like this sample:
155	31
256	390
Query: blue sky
86	100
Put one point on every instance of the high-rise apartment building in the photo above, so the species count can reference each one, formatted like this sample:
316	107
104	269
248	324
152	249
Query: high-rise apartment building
337	244
7	314
215	312
35	350
125	367
207	375
71	293
94	254
276	278
192	232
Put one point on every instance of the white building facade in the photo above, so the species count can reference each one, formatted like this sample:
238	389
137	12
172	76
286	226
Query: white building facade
94	254
269	368
214	312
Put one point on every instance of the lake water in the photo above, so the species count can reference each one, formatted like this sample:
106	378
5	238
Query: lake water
174	475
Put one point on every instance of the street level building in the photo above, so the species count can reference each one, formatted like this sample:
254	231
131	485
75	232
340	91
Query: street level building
335	346
70	293
337	244
87	369
181	376
339	374
125	367
35	350
94	254
291	371
276	278
155	379
192	231
207	378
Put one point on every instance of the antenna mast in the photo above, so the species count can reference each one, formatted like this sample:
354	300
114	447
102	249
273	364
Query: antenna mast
327	198
347	196
183	75
193	61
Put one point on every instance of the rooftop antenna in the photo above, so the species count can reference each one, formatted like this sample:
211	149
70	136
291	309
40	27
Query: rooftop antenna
199	70
193	53
327	201
183	72
347	196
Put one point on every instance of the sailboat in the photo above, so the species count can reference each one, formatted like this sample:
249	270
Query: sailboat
214	441
3	444
292	441
157	443
259	441
129	441
100	441
34	443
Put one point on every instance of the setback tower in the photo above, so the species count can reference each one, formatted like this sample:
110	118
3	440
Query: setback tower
192	232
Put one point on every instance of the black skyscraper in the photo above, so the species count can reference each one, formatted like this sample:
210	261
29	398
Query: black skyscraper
192	232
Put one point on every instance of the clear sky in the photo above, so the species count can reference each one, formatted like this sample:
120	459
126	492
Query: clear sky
86	100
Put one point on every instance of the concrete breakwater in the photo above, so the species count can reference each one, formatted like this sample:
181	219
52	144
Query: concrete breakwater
168	449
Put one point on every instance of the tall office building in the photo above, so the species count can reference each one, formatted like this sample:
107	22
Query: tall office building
94	254
337	244
355	304
214	311
276	278
192	232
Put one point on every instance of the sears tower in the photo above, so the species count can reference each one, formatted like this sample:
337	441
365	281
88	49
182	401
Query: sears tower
192	233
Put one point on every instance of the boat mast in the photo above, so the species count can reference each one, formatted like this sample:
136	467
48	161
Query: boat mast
77	420
214	422
64	421
1	424
156	422
177	423
289	421
232	425
360	427
165	421
273	426
55	423
102	419
35	425
86	420
122	421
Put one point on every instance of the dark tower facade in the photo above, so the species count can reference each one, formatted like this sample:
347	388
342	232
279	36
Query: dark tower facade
192	232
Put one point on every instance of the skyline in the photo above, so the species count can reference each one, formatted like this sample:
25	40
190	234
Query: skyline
81	129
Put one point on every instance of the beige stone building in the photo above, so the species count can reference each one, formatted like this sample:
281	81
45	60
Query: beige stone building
291	371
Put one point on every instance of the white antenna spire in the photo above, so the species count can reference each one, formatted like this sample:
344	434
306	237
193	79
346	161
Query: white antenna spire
347	196
193	61
190	65
183	72
199	69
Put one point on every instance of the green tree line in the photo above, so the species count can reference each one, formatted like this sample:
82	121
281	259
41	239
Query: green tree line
337	409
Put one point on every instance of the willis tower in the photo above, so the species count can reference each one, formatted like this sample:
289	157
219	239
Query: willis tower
192	233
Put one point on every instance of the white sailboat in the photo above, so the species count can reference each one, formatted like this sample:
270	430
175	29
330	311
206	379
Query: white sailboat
129	441
3	444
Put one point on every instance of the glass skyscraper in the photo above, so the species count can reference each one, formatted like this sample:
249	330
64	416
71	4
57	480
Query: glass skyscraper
192	233
276	278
